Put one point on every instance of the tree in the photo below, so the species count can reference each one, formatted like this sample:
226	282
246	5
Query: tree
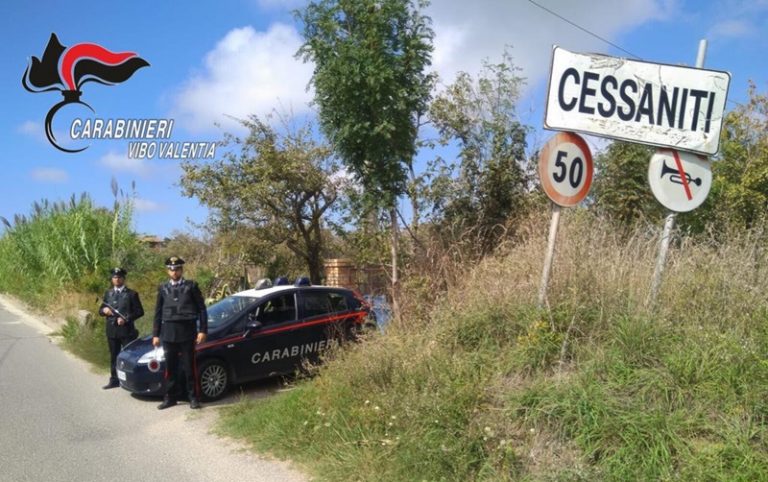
371	88
621	188
280	186
739	194
487	184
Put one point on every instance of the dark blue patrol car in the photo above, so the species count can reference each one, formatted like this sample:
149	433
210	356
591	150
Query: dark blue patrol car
254	334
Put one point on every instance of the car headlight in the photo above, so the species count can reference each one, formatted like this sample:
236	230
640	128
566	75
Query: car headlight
157	354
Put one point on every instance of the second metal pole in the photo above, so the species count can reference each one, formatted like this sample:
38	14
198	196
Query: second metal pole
669	222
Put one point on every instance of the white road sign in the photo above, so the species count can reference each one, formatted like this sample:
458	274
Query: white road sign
657	104
565	169
679	180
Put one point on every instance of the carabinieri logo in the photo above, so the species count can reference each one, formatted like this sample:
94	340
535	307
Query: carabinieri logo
67	69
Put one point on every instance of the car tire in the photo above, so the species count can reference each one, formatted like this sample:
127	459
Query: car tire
214	380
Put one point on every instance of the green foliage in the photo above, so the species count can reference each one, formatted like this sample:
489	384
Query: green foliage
278	189
87	341
66	246
621	187
487	184
370	84
488	387
739	193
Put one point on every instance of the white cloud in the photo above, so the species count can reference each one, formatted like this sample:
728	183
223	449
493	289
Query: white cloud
468	32
30	128
248	72
145	205
733	28
50	175
123	163
36	131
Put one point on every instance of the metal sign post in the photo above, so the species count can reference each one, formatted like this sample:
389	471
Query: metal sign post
669	222
565	171
550	254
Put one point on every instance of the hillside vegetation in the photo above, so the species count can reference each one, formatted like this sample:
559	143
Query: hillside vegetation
595	387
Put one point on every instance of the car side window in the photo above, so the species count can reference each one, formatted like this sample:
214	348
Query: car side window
316	303
338	302
278	310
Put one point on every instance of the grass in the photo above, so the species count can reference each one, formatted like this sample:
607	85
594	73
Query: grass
57	258
596	387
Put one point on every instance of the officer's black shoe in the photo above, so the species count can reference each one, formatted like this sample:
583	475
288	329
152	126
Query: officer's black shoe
111	384
194	404
168	402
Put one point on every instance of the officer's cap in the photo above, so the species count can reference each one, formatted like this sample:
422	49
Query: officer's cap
117	271
174	262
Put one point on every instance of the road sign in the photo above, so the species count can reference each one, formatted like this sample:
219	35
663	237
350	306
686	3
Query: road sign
657	104
679	180
565	169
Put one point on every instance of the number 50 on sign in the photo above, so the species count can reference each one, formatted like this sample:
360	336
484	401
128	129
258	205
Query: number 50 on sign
565	169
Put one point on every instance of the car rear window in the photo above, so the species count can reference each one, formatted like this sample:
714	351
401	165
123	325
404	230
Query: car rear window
278	310
323	302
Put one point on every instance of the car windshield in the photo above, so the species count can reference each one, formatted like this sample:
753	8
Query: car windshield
225	309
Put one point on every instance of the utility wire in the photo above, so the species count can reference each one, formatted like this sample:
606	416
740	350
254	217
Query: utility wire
585	30
589	32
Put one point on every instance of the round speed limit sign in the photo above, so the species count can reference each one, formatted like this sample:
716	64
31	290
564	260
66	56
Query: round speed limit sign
565	169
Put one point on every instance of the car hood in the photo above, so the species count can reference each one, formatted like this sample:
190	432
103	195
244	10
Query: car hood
138	347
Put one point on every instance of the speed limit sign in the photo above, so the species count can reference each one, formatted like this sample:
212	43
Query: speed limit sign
565	169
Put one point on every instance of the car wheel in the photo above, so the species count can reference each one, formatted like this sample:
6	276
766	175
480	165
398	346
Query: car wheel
214	380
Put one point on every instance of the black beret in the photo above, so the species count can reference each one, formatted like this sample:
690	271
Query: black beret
118	272
173	262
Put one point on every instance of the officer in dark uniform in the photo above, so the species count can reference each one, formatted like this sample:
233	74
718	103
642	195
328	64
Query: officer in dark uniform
122	307
181	320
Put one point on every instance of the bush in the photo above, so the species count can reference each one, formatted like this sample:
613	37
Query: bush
65	246
597	387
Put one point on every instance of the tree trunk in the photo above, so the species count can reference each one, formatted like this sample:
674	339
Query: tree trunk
413	193
315	266
395	279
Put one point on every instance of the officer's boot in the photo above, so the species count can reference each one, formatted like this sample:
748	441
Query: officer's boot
167	402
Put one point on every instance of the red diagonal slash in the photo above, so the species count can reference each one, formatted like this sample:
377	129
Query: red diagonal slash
682	174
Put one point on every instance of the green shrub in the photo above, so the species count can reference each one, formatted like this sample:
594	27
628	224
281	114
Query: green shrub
596	387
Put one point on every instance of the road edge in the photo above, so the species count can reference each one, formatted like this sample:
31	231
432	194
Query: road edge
17	308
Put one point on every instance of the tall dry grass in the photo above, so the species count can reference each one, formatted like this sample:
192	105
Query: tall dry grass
597	386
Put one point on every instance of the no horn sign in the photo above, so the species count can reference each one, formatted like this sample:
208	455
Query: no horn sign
679	180
649	103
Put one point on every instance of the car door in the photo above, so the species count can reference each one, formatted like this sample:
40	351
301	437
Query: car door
272	348
324	313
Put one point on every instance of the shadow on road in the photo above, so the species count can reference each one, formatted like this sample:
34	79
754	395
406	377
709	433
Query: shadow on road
249	391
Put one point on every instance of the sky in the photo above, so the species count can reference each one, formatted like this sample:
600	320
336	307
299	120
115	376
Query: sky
211	64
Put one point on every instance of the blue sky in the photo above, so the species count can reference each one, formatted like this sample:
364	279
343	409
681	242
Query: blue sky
235	58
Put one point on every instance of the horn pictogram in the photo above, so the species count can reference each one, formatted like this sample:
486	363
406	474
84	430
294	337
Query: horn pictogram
674	175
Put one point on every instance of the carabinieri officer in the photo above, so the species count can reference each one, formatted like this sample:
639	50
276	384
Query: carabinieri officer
181	320
122	307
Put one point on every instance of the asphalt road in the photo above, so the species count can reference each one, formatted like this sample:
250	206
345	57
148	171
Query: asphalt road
57	424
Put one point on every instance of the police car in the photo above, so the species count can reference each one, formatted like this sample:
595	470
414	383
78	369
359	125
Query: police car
253	334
